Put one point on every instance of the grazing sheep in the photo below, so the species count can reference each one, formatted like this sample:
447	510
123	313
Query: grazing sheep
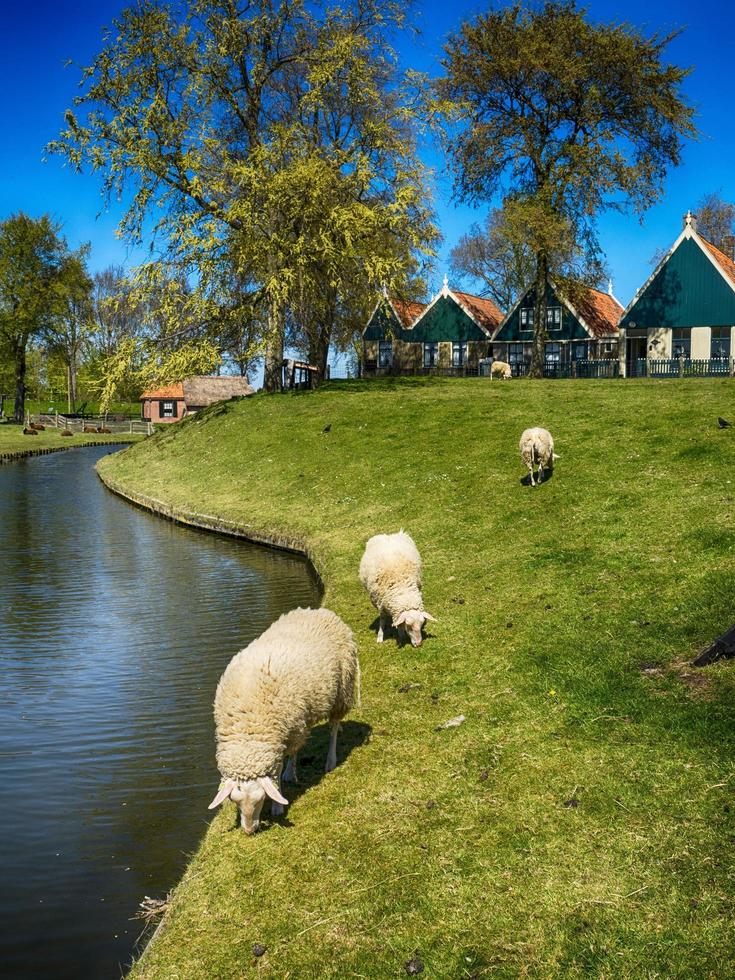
89	428
390	570
29	432
537	446
303	669
66	432
500	369
38	427
104	430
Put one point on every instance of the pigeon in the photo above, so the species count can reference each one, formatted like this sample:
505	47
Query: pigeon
723	423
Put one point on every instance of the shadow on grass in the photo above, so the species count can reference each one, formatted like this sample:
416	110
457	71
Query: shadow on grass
311	763
525	481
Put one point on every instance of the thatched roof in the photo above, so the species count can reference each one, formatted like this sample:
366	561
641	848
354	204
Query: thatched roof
201	391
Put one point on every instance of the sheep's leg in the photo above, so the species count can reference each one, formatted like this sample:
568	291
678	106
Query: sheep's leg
530	473
384	623
332	753
540	473
290	775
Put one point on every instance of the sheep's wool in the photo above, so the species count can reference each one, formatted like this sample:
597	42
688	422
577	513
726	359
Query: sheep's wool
390	570
301	671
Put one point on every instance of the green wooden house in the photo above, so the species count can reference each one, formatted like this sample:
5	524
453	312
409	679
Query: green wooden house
686	308
583	330
453	332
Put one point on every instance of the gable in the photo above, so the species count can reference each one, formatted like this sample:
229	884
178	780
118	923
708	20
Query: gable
383	325
571	328
686	291
445	321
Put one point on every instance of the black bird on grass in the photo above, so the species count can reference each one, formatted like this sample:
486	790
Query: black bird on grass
328	428
723	423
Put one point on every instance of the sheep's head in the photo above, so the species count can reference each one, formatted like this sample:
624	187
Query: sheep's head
412	621
249	794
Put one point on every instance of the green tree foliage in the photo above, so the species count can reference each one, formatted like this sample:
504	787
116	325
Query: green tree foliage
68	333
34	277
563	118
270	144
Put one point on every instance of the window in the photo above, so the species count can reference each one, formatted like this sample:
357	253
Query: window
168	410
553	353
459	353
527	318
515	353
385	353
681	343
430	354
607	347
720	345
579	350
553	317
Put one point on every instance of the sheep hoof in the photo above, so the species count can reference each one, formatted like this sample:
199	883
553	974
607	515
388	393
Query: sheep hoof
379	638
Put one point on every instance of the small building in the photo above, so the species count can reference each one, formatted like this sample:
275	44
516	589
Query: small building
172	402
453	331
686	308
581	329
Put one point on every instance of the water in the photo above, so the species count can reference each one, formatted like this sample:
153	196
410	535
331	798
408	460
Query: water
114	628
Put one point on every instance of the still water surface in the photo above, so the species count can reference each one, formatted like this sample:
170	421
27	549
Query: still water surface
114	629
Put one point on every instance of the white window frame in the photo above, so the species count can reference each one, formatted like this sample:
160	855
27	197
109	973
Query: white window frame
459	353
431	347
168	409
385	347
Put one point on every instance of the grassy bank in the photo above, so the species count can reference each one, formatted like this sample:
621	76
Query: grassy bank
13	442
580	822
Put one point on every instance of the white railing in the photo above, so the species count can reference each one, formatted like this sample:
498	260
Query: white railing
126	426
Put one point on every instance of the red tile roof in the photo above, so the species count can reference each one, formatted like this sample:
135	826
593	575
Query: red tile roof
724	261
175	390
600	311
483	310
407	311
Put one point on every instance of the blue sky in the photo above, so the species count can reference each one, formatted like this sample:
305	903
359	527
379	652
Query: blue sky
37	39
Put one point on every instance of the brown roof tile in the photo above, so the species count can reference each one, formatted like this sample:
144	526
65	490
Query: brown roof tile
483	310
407	311
600	311
175	390
724	261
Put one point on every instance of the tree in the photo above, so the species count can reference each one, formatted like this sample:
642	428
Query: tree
565	118
715	218
32	255
68	332
270	143
116	313
486	255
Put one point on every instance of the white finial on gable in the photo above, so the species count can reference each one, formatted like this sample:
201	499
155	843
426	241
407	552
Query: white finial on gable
385	291
445	286
690	221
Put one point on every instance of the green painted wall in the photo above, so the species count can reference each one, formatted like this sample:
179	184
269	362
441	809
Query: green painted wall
445	321
687	291
571	328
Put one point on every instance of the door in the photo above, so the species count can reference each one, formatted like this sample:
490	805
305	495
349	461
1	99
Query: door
635	357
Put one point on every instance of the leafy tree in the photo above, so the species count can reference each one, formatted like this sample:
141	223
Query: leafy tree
715	218
32	275
270	142
69	332
486	255
116	313
565	118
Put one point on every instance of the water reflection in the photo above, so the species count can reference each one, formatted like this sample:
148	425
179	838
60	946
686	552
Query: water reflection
114	628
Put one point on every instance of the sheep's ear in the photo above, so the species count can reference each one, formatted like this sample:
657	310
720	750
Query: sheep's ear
272	790
429	617
400	619
224	794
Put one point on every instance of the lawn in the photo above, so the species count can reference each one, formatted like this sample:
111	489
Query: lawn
13	441
581	821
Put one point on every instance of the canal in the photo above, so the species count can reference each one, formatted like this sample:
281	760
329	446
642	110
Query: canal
114	628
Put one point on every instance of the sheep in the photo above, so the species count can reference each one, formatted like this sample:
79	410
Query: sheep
89	428
537	446
390	570
500	369
38	427
304	668
104	430
29	432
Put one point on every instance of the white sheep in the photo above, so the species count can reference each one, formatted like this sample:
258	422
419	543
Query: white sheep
537	446
390	570
303	669
500	369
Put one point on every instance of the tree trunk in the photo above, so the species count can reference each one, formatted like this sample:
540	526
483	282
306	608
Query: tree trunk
539	317
20	381
319	352
273	375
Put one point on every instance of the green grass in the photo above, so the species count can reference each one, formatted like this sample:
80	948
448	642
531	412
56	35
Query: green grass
581	821
35	406
13	441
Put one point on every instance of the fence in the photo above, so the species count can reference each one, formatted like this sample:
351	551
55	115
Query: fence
680	367
117	426
608	368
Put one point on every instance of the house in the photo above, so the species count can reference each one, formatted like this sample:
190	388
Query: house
686	308
172	402
579	329
453	331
